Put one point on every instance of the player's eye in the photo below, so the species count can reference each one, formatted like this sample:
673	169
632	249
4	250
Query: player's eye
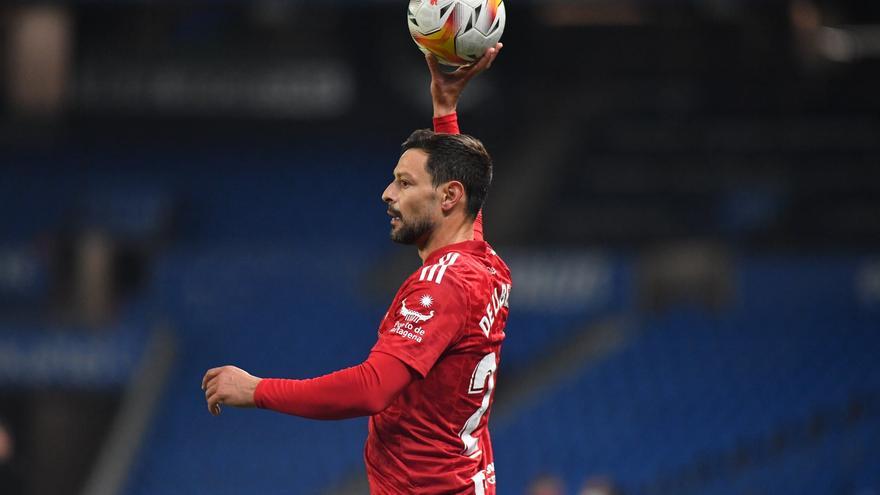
403	183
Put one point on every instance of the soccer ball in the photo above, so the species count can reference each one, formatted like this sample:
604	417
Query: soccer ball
457	32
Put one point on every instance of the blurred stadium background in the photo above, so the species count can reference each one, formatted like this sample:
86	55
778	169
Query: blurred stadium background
688	193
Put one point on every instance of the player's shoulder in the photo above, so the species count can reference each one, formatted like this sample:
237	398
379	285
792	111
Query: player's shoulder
448	270
498	267
463	266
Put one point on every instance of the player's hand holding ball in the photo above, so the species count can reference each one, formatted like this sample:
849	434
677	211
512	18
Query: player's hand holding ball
457	32
446	87
229	385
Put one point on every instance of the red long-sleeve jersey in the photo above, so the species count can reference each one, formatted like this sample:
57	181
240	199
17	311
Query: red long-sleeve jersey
428	382
446	323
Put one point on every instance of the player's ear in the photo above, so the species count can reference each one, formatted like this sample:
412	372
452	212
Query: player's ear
451	194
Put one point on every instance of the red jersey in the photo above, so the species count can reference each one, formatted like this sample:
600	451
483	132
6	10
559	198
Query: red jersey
446	323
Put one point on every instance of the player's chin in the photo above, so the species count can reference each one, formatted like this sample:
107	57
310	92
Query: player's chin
401	235
396	237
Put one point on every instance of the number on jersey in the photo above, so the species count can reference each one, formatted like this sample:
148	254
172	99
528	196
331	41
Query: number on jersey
482	381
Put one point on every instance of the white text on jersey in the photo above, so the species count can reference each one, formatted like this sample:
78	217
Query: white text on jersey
498	301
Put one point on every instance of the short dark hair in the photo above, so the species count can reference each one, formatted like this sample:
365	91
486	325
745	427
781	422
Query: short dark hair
455	157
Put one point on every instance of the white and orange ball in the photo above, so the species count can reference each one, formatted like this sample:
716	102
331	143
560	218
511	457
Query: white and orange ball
457	32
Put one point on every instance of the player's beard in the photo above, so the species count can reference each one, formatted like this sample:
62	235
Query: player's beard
409	232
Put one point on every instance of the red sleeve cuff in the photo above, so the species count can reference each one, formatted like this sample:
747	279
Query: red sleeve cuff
447	124
260	393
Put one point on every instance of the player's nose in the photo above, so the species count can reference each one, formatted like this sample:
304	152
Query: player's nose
386	194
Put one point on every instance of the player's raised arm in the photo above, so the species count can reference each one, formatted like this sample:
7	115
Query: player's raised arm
446	87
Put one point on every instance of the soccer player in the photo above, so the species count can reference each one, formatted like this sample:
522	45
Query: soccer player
427	383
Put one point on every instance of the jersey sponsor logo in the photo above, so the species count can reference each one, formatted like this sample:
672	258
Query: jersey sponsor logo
498	301
434	273
413	316
408	331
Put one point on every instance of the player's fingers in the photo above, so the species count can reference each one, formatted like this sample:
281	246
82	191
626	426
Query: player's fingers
210	391
210	374
214	404
480	66
492	53
212	381
498	47
486	60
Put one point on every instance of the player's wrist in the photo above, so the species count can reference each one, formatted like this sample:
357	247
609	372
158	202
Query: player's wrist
257	394
443	110
253	391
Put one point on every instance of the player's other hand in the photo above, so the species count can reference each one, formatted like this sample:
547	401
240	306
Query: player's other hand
446	87
229	385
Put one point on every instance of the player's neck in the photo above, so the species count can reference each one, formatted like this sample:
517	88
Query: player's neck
446	235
